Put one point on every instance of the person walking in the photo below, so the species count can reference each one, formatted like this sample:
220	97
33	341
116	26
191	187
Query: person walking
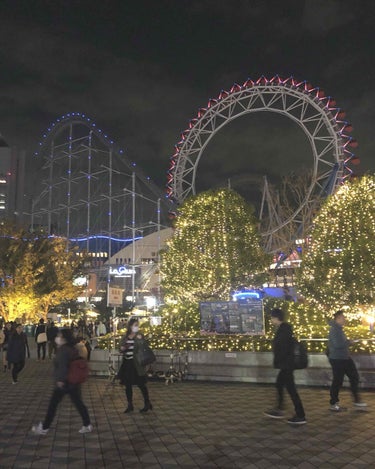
65	353
8	330
52	331
131	371
41	338
283	350
16	355
341	363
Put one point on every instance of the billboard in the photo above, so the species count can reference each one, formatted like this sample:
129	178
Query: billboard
233	317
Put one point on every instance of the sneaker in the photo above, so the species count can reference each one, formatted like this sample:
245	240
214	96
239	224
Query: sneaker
274	414
15	382
335	407
360	404
84	429
297	420
39	430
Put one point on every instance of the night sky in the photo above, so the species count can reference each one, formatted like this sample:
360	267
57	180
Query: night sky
141	69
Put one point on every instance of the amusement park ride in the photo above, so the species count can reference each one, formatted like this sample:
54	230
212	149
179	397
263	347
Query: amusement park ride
318	115
94	196
90	190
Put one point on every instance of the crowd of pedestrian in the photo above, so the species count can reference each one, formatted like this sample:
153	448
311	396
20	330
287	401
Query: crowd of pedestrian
14	346
63	344
70	343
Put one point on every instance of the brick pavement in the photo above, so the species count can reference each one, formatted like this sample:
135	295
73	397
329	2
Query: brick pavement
193	425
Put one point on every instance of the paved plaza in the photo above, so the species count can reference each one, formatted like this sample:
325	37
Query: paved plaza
193	425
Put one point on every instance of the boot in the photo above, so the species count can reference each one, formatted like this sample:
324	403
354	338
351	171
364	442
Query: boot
129	409
148	406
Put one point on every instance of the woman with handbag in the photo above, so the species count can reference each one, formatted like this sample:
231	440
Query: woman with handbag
41	338
132	371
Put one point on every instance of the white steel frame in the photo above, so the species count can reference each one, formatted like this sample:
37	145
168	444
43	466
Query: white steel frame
89	188
306	106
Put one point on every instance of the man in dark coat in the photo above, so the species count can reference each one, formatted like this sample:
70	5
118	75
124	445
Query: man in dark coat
17	347
283	350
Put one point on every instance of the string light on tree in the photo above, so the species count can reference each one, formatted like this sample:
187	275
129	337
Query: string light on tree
215	249
338	270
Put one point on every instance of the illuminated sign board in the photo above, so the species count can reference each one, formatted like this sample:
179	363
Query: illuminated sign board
115	296
121	271
80	281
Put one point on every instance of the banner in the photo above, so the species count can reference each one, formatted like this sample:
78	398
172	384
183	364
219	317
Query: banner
115	296
233	317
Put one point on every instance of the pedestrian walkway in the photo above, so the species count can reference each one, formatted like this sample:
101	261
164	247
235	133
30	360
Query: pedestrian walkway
193	425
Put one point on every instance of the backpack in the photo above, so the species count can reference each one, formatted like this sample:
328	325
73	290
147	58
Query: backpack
78	371
300	357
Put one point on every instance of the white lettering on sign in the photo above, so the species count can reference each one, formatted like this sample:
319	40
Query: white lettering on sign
121	271
230	355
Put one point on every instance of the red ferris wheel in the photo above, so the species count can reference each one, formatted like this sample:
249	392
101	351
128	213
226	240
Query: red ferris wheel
322	120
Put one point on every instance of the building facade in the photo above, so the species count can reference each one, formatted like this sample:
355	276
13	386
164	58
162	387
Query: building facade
12	179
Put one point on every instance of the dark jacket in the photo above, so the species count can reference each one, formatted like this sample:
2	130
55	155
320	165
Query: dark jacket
17	346
338	344
61	362
52	332
138	344
283	347
40	328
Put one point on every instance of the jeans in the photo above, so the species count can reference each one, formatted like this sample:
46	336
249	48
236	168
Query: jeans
17	367
43	347
285	378
340	368
74	391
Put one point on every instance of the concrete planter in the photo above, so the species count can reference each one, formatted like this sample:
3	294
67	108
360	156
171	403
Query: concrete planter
256	367
99	360
251	367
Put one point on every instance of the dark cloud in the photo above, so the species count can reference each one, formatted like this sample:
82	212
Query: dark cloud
322	16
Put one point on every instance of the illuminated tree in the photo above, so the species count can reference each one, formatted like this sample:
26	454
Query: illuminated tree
36	273
57	266
17	298
16	303
214	250
339	267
